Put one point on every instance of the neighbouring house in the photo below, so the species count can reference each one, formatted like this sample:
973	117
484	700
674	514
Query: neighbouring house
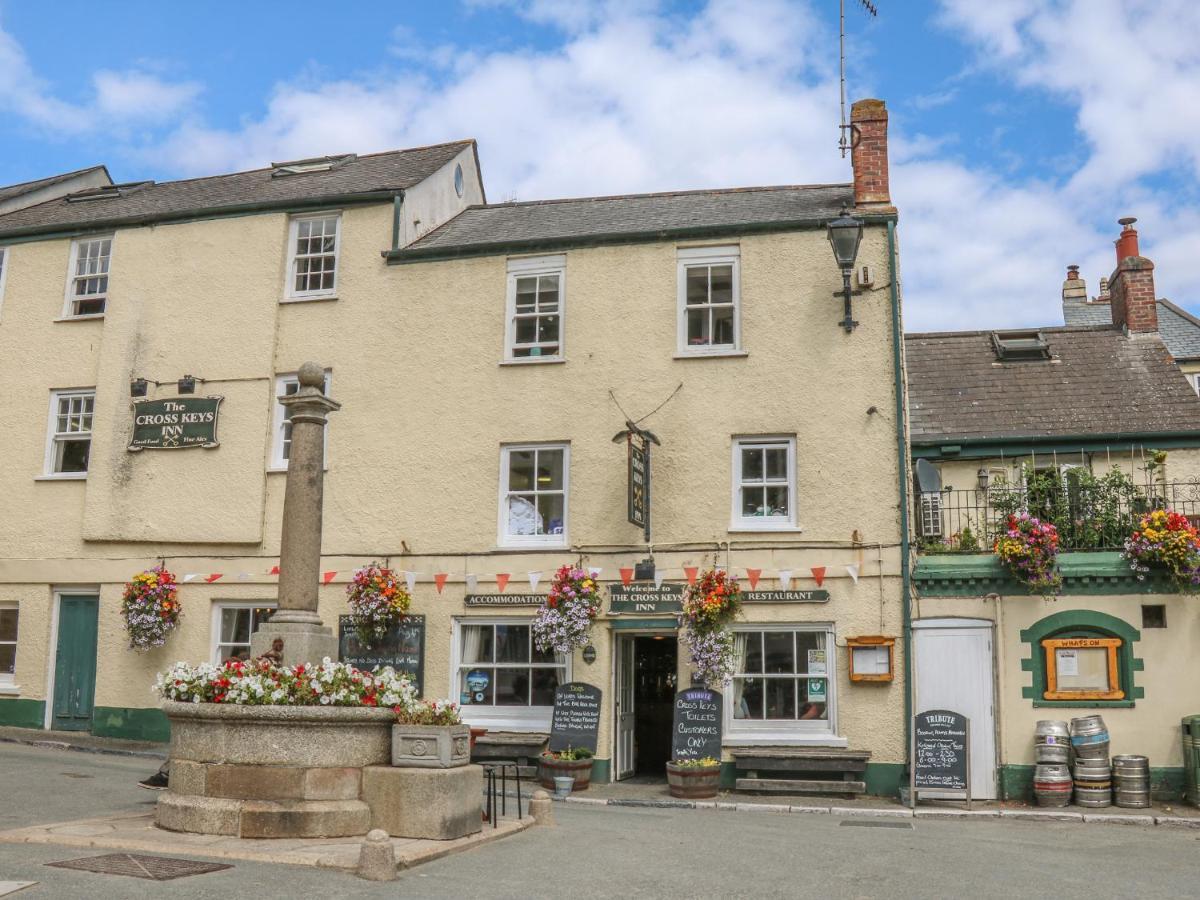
484	356
1086	426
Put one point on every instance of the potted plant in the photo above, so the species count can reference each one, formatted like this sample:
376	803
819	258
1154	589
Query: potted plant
694	779
1167	542
150	608
564	622
709	605
377	601
430	734
574	762
1029	550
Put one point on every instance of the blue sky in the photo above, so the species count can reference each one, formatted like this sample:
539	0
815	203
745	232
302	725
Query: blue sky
1021	129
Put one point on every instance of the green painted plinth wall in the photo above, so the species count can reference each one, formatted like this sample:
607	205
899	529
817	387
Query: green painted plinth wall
130	724
22	713
1166	783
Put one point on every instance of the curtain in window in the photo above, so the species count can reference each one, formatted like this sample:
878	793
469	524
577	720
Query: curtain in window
472	642
740	643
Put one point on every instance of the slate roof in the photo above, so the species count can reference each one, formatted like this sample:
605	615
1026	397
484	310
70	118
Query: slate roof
1098	381
621	219
147	201
1180	330
26	187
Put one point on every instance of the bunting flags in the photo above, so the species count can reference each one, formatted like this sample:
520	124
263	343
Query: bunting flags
852	571
752	575
659	574
274	570
410	580
785	579
594	571
818	574
691	572
213	577
472	583
191	576
626	576
327	577
439	580
502	581
534	578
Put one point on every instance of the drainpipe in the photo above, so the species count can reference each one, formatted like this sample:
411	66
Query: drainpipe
397	206
902	459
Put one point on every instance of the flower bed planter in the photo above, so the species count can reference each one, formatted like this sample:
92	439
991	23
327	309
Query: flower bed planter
693	783
579	769
431	746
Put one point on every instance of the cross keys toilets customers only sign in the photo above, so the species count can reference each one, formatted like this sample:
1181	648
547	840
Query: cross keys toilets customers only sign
174	424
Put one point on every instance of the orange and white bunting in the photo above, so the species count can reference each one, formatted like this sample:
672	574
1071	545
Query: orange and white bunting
213	577
785	579
818	574
534	578
439	580
752	575
274	570
472	582
191	576
502	581
410	580
659	574
852	571
594	571
626	576
327	577
691	572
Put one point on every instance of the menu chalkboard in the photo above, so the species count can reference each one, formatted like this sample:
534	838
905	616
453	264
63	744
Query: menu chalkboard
940	750
696	731
403	649
576	718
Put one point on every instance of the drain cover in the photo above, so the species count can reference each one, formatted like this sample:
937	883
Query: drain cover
155	868
876	823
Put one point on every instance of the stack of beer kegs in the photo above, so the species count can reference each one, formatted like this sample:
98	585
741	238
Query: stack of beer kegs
1052	752
1093	773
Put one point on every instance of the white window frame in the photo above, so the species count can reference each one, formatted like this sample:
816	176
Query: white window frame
509	718
8	683
290	294
738	522
279	419
504	539
52	433
529	267
687	257
218	607
797	731
69	296
1192	377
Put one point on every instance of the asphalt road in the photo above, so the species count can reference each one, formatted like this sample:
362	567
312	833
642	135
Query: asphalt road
627	852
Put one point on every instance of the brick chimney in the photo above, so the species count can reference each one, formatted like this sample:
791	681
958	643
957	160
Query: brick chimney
1074	289
1134	304
869	155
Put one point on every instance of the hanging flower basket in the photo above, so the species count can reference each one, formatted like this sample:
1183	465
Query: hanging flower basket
709	605
1029	550
1166	542
150	608
378	600
564	623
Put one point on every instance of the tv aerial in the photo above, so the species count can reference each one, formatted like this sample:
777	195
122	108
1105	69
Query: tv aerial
846	141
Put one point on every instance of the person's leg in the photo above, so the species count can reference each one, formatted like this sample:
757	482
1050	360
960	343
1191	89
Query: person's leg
159	780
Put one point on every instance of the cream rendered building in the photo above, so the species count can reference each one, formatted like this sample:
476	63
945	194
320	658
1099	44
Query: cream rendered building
484	356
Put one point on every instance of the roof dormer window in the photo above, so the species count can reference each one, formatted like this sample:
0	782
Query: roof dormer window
1017	346
305	166
107	191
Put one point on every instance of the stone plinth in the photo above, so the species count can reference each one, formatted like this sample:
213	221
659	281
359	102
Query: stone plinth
435	804
271	771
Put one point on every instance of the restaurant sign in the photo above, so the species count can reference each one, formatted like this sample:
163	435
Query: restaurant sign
646	598
785	596
175	423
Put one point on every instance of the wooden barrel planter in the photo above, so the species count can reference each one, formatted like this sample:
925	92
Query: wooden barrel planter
693	783
579	769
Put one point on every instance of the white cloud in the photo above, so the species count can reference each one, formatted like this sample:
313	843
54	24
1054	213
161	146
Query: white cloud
135	96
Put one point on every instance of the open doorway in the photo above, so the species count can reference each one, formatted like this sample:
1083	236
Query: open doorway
646	685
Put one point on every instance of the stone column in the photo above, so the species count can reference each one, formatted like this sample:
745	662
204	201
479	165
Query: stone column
306	639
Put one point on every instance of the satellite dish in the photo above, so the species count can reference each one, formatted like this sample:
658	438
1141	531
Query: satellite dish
929	479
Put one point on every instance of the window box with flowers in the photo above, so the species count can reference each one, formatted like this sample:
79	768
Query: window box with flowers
1168	543
1029	550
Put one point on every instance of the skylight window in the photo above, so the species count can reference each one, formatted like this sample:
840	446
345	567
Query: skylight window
107	191
1020	345
315	164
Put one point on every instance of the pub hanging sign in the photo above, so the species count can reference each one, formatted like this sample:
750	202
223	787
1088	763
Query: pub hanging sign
175	423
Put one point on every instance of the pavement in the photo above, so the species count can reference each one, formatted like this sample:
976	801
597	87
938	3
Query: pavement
742	849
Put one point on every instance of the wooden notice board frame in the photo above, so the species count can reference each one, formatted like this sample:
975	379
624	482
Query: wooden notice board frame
1053	645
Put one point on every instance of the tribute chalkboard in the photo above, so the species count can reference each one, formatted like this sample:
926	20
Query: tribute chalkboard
696	731
576	718
940	752
403	649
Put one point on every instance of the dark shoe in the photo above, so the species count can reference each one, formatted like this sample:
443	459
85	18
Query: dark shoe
156	782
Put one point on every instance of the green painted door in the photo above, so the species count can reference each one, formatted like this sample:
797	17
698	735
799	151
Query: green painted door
75	662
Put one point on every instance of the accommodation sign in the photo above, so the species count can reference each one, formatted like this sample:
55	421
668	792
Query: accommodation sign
785	596
174	424
645	598
505	599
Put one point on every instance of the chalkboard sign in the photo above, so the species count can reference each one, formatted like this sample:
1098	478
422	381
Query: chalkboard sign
576	719
696	731
403	649
940	753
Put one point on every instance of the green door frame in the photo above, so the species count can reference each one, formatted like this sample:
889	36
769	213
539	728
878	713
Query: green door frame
75	662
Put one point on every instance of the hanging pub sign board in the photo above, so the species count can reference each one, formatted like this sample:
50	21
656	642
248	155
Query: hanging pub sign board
576	718
175	424
403	649
696	731
645	598
639	476
941	759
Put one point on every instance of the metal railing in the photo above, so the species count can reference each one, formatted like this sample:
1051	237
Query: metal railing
1090	514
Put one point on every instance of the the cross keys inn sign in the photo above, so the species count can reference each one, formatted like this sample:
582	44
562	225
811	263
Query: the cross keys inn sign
175	423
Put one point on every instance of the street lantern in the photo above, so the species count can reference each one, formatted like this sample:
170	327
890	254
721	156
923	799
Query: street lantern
845	234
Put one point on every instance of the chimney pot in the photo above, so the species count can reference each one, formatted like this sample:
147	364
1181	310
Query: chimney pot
1072	272
869	155
1074	289
1127	243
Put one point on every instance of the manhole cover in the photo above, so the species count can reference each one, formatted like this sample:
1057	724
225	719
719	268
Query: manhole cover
155	868
876	823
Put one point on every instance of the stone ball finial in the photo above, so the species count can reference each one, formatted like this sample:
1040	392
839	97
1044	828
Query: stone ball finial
311	375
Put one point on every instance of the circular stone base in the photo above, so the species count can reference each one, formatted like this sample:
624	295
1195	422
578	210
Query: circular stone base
262	818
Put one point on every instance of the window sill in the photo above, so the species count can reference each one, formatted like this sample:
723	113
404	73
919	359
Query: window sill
88	318
709	354
555	545
788	738
317	298
534	361
765	529
9	690
63	476
1086	704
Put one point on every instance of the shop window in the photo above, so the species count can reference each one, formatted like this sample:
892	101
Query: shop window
281	445
1082	658
781	679
709	301
764	484
534	330
313	246
233	624
69	441
501	677
9	615
87	279
533	495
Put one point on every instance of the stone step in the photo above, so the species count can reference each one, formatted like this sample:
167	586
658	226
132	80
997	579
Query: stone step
798	786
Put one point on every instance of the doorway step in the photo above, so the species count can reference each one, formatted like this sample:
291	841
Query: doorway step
792	770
